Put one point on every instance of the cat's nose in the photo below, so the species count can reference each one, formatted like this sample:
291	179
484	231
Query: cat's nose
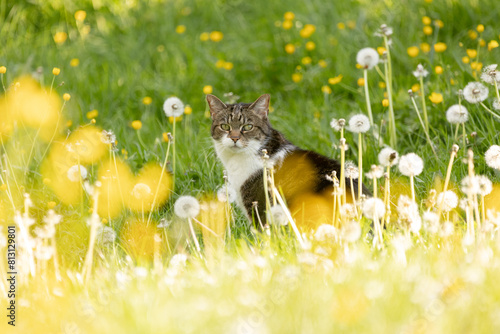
235	139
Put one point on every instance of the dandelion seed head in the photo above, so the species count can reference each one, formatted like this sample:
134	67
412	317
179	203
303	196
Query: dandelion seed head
388	157
457	114
411	164
367	58
141	191
374	208
325	232
186	207
485	185
496	104
490	74
348	211
475	92
431	221
108	137
52	218
351	170
470	185
376	172
74	173
335	124
173	107
224	194
447	200
279	216
105	235
359	123
351	231
43	253
164	223
492	157
420	72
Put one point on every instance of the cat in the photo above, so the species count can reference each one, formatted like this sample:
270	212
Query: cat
240	132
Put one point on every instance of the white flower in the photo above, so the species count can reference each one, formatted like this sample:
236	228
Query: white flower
376	172
52	218
72	173
351	170
475	92
447	200
337	124
491	74
178	260
431	221
420	72
348	211
388	157
325	232
384	31
470	185
351	231
485	185
496	104
359	123
173	107
279	215
367	57
108	137
164	223
492	156
223	194
457	114
141	191
411	164
105	235
187	207
374	208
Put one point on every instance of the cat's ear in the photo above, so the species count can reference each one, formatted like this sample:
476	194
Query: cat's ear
216	105
261	106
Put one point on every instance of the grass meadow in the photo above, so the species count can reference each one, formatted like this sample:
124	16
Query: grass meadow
91	166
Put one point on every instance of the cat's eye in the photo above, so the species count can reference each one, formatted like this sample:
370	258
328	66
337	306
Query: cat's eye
225	127
247	127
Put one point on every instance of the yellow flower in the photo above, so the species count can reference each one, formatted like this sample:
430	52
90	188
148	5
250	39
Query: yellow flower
69	123
415	87
219	63
358	66
307	31
317	114
472	34
51	205
439	23
287	24
326	89
361	82
3	69
492	44
480	28
413	51
207	89
381	50
426	20
147	100
296	77
171	119
381	84
436	98
216	36
341	25
482	42
322	63
165	137
425	47
385	102
60	37
472	53
428	30
438	69
452	82
289	16
465	60
74	62
92	114
306	60
136	125
289	48
66	97
204	36
351	24
56	71
228	65
310	46
80	15
298	67
188	110
440	47
476	66
180	29
335	80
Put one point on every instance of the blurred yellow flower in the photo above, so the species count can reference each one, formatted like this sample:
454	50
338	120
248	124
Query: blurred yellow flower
427	30
326	89
51	205
415	87
136	125
452	82
116	182
482	42
472	34
69	123
476	65
480	28
207	89
56	71
287	24
335	80
92	114
74	62
385	103
436	97
165	137
307	31
204	36
296	77
180	29
381	84
289	48
381	50
472	53
359	66
440	47
228	65
80	15
188	110
426	20
216	36
306	60
289	16
465	60
361	82
438	69
219	63
60	37
425	47
412	51
3	69
147	100
351	24
66	97
491	45
171	119
310	46
322	63
341	25
439	23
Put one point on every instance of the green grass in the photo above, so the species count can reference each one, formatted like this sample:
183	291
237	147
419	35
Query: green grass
132	51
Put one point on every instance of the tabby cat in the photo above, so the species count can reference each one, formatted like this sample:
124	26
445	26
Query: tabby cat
240	132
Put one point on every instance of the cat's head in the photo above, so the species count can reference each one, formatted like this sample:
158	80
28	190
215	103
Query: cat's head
240	126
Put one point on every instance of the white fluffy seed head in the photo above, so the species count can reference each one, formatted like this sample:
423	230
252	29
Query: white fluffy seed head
351	170
485	185
224	194
186	207
457	114
376	172
411	164
74	171
351	231
348	211
447	200
470	185
491	74
359	123
368	58
492	157
325	232
337	124
496	104
374	208
141	191
173	107
420	72
388	157
475	92
279	215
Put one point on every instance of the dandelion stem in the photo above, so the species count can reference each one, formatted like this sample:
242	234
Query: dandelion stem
342	166
388	80
412	185
360	179
489	110
367	96
424	105
173	153
454	151
195	239
496	90
456	132
424	127
89	257
288	215
159	183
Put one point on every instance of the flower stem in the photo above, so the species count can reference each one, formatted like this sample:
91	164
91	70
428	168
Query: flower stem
424	105
367	96
360	163
447	179
173	153
388	81
489	110
424	128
